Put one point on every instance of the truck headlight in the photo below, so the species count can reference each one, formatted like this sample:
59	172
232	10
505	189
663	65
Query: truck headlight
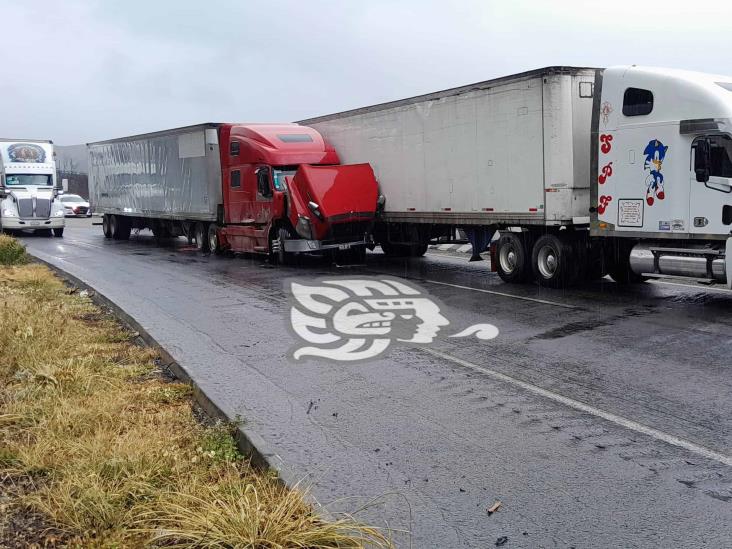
7	212
59	213
303	227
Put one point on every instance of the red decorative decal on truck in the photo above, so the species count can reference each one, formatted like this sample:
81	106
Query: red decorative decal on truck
603	203
607	171
605	140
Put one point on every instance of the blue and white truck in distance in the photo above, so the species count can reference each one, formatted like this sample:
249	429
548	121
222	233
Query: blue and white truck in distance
583	172
29	194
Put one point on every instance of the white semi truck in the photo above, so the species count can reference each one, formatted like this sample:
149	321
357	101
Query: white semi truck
582	171
29	195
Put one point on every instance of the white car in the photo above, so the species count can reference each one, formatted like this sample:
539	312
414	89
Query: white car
75	206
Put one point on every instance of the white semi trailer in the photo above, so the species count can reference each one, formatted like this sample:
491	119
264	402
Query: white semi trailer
29	194
583	171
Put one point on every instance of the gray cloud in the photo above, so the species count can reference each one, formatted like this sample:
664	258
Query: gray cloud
77	71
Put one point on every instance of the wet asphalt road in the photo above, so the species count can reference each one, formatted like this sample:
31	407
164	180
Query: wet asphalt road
599	417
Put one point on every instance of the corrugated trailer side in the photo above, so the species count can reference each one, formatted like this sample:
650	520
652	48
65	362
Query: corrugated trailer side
504	151
173	174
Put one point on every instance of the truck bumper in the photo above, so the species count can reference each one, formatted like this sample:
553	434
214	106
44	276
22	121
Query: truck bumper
314	246
13	223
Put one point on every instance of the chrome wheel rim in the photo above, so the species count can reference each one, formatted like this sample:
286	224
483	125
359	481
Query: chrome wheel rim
508	258
547	261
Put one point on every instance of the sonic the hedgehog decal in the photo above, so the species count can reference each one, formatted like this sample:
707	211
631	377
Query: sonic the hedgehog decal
358	319
655	153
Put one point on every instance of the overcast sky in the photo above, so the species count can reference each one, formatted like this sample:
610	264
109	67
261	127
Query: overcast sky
83	70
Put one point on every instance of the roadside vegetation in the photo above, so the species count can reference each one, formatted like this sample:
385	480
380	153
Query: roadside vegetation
99	449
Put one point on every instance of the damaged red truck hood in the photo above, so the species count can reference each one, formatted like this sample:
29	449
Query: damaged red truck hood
343	193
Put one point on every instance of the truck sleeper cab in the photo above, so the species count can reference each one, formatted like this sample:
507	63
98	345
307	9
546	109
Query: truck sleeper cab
666	205
274	189
285	193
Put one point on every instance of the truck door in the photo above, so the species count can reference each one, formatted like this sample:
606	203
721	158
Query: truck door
710	197
263	193
238	207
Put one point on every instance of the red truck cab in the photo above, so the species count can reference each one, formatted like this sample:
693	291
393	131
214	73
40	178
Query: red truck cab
285	192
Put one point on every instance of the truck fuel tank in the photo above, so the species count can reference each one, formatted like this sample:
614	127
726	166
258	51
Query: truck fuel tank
700	262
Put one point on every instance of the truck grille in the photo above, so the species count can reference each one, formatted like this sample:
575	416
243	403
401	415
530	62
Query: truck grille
43	208
25	207
345	232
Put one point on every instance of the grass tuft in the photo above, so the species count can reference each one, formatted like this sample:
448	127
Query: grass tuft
114	453
12	252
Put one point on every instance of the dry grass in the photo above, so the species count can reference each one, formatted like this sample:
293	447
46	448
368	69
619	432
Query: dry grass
114	453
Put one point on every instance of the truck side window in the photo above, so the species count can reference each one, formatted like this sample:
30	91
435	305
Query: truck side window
234	148
235	178
720	153
263	186
637	102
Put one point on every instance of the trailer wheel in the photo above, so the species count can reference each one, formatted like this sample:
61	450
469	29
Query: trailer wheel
512	258
120	226
106	227
552	262
213	238
201	234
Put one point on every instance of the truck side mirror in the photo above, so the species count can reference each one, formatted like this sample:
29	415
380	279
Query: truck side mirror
702	160
263	185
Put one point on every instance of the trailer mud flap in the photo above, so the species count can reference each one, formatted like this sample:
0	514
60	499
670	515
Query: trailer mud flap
479	238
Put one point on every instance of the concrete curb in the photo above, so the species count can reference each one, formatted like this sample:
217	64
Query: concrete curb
248	442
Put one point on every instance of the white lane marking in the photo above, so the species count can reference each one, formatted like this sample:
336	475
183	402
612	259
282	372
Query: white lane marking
582	407
444	247
700	288
534	299
465	248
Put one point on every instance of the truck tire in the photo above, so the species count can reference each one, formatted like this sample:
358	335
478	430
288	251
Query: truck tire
512	258
392	250
58	233
553	262
213	239
277	254
418	250
106	226
120	226
201	235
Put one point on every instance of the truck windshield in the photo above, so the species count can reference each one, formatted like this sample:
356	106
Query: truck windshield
28	180
279	177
